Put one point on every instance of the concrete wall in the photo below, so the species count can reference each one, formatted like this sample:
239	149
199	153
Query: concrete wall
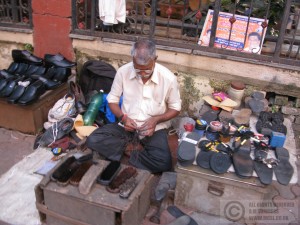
197	75
10	40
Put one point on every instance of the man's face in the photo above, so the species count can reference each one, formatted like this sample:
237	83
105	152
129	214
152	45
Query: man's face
254	42
144	71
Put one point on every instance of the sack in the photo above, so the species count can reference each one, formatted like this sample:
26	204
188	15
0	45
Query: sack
96	75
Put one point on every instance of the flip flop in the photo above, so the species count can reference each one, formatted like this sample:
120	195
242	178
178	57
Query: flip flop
186	149
284	170
203	159
220	162
263	172
176	212
242	162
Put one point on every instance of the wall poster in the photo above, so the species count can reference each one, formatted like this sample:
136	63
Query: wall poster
254	35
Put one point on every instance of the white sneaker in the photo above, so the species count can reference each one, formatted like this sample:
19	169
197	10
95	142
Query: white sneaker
64	107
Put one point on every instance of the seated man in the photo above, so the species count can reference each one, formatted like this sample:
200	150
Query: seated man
150	100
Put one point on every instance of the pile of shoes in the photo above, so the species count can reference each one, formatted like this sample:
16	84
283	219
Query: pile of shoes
268	122
28	77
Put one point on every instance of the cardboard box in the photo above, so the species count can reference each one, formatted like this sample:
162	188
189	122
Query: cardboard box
59	205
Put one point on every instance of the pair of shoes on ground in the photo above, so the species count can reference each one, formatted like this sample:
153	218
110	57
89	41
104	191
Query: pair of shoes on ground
268	122
281	166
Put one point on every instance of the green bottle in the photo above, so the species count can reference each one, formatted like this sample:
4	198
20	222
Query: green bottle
93	109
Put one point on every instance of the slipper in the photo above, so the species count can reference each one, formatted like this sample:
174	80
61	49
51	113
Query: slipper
125	174
186	149
76	177
203	159
210	115
176	212
263	171
284	170
207	150
256	105
220	162
243	117
242	162
258	95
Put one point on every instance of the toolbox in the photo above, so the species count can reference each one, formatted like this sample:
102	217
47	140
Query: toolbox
205	191
65	205
30	118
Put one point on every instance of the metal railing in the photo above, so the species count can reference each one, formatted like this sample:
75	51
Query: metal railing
15	13
182	23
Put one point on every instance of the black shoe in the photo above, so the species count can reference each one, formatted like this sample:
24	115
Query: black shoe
58	74
9	88
6	75
22	68
18	92
32	93
34	69
49	84
58	60
24	56
12	67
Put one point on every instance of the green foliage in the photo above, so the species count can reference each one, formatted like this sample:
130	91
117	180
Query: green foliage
29	47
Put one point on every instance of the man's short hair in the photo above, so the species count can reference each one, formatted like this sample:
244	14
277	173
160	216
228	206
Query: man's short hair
143	50
254	34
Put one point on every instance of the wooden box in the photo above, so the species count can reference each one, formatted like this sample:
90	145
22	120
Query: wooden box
205	191
30	119
59	205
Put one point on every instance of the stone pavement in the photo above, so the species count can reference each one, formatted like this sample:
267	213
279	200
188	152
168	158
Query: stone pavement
14	146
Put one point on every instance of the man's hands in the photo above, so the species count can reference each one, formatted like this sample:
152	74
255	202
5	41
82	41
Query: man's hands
148	128
129	124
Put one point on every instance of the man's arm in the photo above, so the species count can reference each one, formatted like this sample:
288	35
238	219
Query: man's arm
129	124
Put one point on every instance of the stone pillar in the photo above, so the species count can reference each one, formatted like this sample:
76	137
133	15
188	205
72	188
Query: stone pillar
52	26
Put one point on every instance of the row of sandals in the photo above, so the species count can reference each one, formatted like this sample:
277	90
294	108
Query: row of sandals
245	150
28	77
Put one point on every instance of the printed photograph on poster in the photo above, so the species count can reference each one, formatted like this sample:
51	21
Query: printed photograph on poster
254	36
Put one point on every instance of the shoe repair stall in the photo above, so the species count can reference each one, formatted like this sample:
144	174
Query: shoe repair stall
68	204
200	185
